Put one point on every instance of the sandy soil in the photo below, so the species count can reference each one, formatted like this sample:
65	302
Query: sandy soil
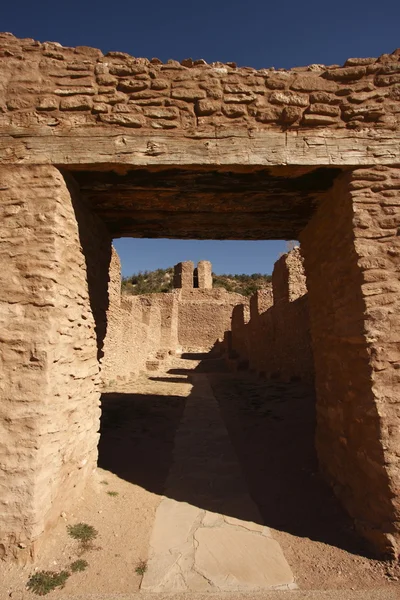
123	523
135	450
271	428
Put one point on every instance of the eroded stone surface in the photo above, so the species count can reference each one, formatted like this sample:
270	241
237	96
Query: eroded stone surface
50	339
145	332
354	302
273	337
48	84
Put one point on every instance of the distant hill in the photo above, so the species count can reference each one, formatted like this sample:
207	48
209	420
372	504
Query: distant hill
149	282
161	280
242	284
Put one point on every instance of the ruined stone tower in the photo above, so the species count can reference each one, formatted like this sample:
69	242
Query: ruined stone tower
187	277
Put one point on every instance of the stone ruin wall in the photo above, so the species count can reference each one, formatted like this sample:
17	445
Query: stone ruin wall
348	321
145	331
64	106
353	283
140	330
47	85
271	336
204	313
51	332
204	317
355	360
270	332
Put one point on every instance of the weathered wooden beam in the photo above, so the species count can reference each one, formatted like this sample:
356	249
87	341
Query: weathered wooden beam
201	225
112	147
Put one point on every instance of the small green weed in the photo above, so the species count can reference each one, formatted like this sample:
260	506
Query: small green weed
79	565
84	533
141	568
43	582
112	493
104	482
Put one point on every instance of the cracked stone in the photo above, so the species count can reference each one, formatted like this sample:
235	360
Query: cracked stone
249	525
173	524
240	560
211	519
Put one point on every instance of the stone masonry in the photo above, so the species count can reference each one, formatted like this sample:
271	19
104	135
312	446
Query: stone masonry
352	270
49	381
135	329
94	147
204	275
144	331
272	335
51	86
184	275
204	313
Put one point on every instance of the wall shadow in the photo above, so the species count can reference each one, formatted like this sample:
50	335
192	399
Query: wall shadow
137	434
96	247
271	426
171	379
195	355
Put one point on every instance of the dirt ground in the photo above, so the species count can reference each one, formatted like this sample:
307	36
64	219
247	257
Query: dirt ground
137	432
271	428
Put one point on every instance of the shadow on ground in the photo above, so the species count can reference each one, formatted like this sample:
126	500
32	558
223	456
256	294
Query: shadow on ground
137	437
271	427
171	379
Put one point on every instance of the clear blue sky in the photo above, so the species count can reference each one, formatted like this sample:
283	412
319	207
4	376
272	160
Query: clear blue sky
260	34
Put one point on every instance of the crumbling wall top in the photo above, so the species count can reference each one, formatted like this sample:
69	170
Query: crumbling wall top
288	277
261	301
46	85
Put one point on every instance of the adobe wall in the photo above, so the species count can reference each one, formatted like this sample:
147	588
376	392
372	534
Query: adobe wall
45	85
260	331
275	342
184	275
204	313
274	335
204	275
139	329
203	317
239	338
53	294
124	329
74	107
352	278
150	328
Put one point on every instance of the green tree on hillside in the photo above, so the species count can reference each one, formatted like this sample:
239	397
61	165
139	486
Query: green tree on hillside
161	280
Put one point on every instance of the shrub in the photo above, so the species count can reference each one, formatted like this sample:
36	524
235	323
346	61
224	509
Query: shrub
79	565
84	533
141	567
43	582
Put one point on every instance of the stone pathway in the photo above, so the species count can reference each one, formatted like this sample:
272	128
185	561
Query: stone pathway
213	539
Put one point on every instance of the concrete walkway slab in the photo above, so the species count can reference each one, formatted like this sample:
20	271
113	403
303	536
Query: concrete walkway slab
234	559
203	546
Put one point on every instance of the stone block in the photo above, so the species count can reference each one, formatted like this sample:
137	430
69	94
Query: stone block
183	275
204	275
